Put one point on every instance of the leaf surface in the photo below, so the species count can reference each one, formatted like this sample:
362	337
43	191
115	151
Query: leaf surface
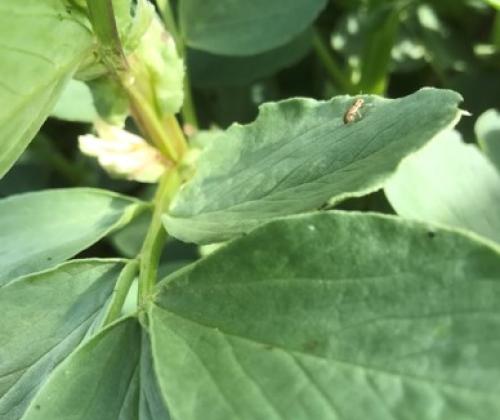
39	230
99	380
241	27
333	316
75	104
42	46
44	317
297	155
487	130
151	402
449	182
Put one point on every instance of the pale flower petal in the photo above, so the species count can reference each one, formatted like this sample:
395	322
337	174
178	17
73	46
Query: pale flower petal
124	154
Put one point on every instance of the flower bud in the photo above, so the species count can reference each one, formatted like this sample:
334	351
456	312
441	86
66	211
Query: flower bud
124	154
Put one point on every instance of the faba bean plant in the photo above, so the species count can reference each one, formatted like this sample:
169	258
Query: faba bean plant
262	210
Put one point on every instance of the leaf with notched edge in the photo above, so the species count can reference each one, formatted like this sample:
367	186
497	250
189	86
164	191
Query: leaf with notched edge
297	155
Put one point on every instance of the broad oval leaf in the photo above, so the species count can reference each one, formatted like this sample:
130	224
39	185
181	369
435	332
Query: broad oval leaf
242	27
42	46
44	318
487	130
333	316
297	155
39	230
210	70
100	380
451	183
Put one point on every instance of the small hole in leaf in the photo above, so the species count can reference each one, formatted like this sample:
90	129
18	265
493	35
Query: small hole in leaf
431	234
49	258
37	407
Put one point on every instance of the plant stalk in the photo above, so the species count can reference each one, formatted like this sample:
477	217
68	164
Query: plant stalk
156	236
125	280
103	21
330	64
149	123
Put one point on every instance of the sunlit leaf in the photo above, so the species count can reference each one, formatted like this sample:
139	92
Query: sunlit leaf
488	134
42	46
333	316
449	182
297	155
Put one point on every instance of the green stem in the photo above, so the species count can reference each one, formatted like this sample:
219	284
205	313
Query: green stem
156	236
104	24
125	280
147	119
188	110
175	134
331	66
103	21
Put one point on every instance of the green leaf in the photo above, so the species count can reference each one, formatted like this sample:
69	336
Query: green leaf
229	27
449	182
75	104
98	381
297	155
151	403
42	46
44	318
110	377
209	70
488	134
333	316
41	229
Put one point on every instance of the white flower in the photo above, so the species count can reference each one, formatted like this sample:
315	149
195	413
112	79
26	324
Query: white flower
124	154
